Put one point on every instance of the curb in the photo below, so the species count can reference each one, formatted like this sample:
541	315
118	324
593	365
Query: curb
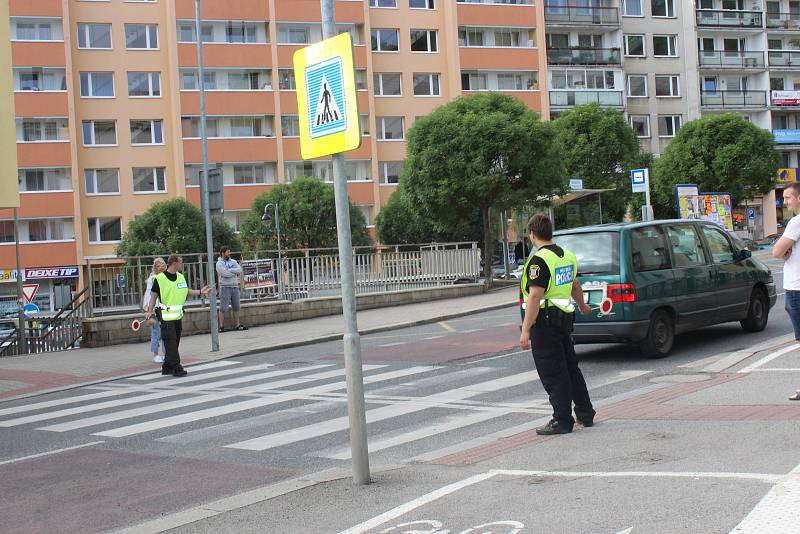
279	346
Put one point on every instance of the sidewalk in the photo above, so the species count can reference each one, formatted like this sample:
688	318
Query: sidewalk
23	376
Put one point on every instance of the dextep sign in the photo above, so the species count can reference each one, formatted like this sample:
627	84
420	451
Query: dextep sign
44	273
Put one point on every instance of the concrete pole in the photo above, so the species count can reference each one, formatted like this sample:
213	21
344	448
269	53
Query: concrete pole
352	340
504	226
22	339
212	297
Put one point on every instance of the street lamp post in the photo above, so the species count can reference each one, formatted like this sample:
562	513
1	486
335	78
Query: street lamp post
266	219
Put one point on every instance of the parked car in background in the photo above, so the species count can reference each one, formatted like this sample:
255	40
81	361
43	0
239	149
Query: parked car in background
648	281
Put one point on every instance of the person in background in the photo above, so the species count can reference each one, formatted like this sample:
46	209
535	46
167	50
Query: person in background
159	266
229	273
522	250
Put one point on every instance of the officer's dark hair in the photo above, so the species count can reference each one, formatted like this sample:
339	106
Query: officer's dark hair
223	250
173	259
795	187
541	226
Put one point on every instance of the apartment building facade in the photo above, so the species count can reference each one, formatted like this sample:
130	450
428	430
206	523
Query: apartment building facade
107	106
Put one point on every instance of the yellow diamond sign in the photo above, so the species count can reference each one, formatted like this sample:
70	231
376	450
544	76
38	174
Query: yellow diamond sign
327	105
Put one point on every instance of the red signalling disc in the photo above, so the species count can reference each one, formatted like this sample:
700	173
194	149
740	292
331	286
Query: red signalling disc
136	325
605	306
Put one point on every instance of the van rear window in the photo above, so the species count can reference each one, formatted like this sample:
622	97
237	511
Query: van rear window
597	252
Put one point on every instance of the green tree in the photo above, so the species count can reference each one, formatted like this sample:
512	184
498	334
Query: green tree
476	153
307	216
723	153
399	223
600	147
173	227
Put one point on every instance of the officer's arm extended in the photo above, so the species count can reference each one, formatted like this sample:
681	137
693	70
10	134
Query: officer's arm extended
577	296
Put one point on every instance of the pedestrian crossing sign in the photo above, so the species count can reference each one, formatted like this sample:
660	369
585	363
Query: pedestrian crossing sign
327	103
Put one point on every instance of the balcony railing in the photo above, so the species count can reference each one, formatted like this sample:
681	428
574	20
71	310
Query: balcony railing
554	14
565	99
727	18
501	2
733	99
784	58
739	60
583	56
789	21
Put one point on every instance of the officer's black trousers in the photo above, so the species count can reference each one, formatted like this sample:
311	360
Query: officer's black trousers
557	364
171	334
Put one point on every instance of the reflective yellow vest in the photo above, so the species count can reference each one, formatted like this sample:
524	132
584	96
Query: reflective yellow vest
172	295
562	273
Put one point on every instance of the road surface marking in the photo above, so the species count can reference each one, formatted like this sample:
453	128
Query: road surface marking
192	368
515	353
766	359
174	420
392	344
48	453
386	412
446	326
779	369
776	513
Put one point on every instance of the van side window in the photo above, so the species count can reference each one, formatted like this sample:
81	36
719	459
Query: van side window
687	249
718	245
649	249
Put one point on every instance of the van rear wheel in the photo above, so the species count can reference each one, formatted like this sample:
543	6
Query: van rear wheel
757	312
660	336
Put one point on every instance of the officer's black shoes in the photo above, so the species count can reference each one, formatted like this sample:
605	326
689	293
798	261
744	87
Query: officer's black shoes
179	371
553	427
166	370
586	423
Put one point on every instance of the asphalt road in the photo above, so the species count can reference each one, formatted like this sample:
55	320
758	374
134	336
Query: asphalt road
104	457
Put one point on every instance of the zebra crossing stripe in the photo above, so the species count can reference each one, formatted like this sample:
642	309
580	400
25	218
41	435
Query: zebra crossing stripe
200	415
386	412
192	368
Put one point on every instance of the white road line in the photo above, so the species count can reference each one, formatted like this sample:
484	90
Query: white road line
192	368
498	357
174	420
217	374
386	412
776	513
160	395
449	424
48	453
392	344
403	509
766	359
758	477
779	369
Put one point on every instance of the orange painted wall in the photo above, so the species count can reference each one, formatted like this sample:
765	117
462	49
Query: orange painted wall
229	102
226	55
309	11
489	15
39	255
43	155
41	205
38	54
499	58
35	8
257	149
224	10
36	104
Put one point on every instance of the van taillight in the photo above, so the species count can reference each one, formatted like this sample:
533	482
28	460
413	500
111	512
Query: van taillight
622	293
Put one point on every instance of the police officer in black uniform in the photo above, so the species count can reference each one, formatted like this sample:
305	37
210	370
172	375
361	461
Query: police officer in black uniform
549	287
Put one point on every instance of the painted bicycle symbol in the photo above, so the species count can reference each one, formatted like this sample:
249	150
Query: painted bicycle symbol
432	526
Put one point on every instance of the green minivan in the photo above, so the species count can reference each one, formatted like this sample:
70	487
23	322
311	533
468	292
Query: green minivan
648	281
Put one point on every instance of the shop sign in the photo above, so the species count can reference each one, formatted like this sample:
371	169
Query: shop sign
42	273
8	275
786	137
786	176
786	98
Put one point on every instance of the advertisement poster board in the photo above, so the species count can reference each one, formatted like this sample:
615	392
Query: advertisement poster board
714	207
257	274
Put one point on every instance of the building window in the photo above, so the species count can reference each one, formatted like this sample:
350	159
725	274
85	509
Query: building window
286	81
105	230
637	85
632	8
473	81
388	84
147	132
38	180
99	133
662	8
361	79
236	218
290	125
101	181
390	128
382	3
776	84
517	81
426	84
36	29
424	41
144	84
634	45
149	180
42	130
668	86
665	46
640	125
241	32
385	40
250	174
668	125
390	171
470	37
422	4
363	122
97	84
7	232
94	36
246	127
141	36
294	34
39	79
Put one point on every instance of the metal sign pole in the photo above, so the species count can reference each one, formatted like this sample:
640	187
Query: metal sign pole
352	341
211	275
22	339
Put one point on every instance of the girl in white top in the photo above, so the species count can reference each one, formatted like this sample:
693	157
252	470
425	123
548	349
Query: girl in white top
159	266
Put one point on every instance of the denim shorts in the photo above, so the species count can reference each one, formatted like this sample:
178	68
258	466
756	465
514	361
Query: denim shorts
155	336
793	309
228	298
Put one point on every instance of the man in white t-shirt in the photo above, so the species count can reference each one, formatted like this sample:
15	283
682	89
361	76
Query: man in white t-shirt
786	249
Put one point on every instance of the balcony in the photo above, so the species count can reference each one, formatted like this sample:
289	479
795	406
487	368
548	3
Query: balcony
786	137
584	56
568	99
789	59
728	18
733	99
731	60
581	16
785	99
785	21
